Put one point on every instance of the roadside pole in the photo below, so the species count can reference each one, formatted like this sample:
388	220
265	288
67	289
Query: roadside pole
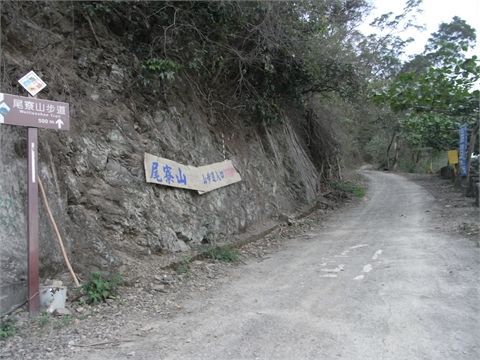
33	256
32	232
33	113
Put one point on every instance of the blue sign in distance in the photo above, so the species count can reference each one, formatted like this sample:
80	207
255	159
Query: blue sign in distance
462	150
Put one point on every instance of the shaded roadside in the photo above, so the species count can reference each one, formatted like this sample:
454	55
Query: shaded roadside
456	212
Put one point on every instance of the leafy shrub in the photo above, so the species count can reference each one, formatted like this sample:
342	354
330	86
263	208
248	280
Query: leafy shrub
98	289
163	68
267	111
7	328
376	148
349	187
222	253
98	8
183	267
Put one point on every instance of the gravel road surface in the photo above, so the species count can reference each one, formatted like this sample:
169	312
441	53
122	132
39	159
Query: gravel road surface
379	281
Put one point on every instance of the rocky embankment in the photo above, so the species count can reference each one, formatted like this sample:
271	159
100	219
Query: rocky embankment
94	176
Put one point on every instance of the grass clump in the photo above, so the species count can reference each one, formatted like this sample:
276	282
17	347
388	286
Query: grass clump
43	319
64	321
99	288
7	328
222	253
183	267
350	187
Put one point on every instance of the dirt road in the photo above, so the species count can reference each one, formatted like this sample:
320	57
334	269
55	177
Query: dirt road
378	282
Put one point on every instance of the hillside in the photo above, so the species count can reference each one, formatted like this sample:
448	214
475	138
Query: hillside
108	215
291	92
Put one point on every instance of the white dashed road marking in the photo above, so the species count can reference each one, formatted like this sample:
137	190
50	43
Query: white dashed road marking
377	254
367	268
339	268
357	246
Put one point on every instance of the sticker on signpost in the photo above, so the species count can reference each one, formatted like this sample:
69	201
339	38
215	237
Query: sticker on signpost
32	83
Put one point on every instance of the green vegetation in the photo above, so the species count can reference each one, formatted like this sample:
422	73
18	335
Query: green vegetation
183	267
98	288
349	187
7	328
163	68
43	319
222	253
64	321
267	111
353	94
430	96
257	59
253	63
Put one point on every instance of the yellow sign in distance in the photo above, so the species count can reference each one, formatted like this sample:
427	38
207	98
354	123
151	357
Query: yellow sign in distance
452	157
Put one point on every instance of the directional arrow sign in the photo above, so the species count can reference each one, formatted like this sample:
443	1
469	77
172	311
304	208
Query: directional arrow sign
33	112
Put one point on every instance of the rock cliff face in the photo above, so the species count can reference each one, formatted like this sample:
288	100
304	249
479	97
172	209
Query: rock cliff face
94	174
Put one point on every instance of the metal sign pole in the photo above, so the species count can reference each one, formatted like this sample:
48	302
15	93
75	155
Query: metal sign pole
33	113
32	219
32	230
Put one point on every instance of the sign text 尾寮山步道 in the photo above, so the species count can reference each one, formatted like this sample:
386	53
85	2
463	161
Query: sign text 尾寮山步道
33	112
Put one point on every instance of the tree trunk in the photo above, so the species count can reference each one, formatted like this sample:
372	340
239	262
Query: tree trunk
396	148
397	152
389	148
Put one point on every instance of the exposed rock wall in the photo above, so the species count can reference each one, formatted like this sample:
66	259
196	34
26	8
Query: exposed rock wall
94	174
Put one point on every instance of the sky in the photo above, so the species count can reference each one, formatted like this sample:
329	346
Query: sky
434	13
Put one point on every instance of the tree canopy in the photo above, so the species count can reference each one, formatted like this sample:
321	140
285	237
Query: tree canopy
436	91
255	57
